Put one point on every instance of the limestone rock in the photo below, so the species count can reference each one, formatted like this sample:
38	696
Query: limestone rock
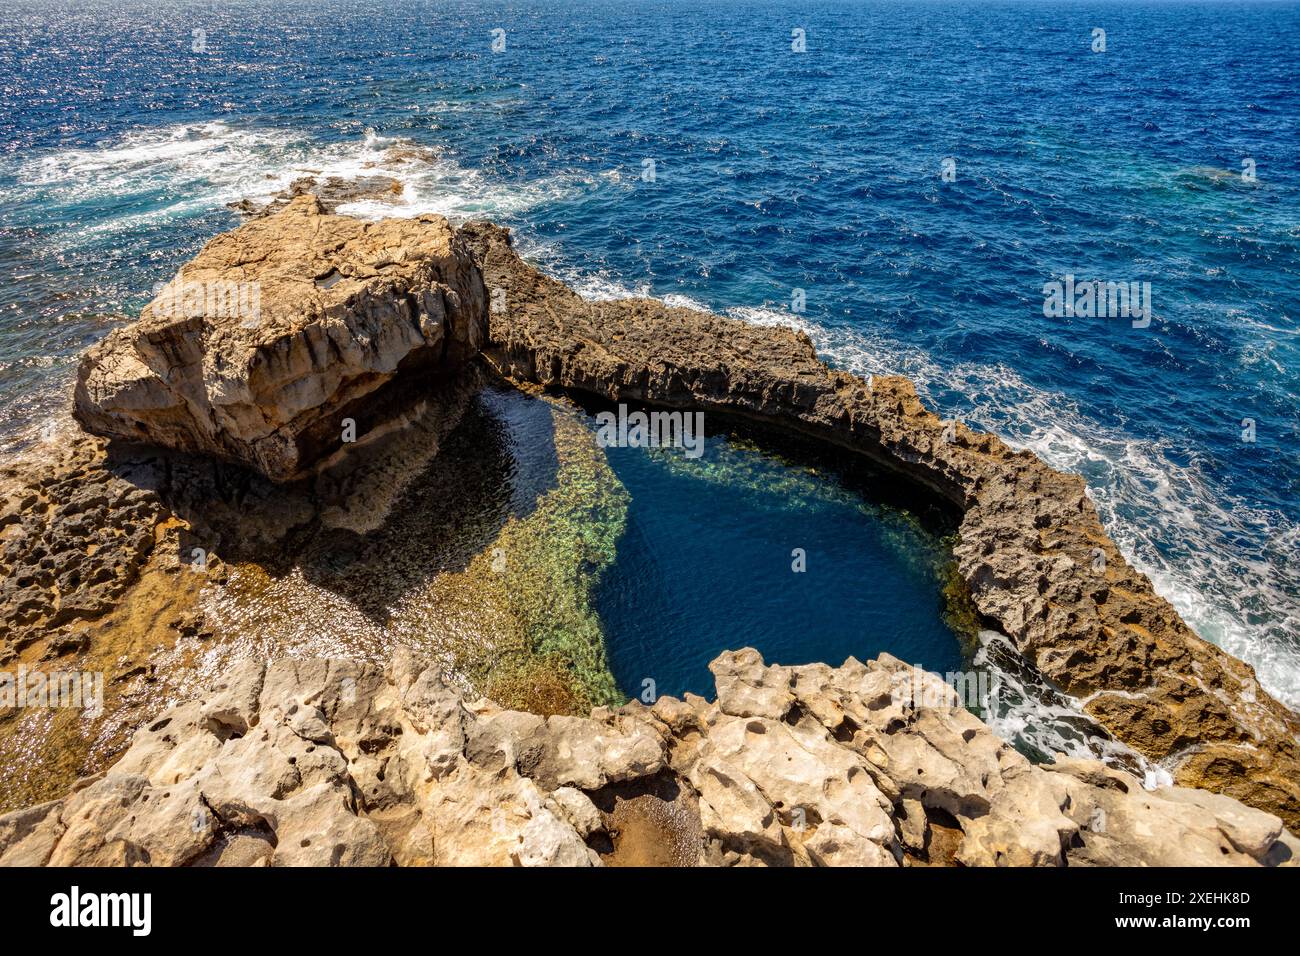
576	807
280	330
346	764
351	315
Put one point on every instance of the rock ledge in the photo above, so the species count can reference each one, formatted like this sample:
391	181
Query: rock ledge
318	762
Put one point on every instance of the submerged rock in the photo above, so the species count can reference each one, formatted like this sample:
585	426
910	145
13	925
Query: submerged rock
332	191
281	331
317	762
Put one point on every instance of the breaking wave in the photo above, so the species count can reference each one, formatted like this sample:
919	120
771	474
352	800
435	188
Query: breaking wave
208	165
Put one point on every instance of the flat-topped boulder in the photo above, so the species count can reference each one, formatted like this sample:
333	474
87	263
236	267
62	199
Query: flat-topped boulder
280	330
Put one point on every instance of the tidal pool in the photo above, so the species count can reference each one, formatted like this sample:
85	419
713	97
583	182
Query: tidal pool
764	541
552	573
548	572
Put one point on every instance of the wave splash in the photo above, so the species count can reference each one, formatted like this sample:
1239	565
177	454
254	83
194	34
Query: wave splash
138	177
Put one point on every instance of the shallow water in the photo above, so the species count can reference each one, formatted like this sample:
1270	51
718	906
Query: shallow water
483	562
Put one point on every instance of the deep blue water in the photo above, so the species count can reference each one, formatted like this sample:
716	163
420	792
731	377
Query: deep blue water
744	547
775	170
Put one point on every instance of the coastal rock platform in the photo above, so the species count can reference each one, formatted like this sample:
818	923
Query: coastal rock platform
355	313
1031	547
319	762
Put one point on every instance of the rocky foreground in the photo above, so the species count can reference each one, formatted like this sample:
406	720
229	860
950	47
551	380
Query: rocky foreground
324	762
356	317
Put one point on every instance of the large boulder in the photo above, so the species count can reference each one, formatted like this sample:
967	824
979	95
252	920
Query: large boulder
278	332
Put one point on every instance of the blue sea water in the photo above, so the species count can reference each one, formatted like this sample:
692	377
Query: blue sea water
753	545
120	146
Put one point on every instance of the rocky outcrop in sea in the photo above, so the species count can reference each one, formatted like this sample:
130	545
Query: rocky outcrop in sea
238	429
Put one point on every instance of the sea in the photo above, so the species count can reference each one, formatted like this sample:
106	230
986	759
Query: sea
906	180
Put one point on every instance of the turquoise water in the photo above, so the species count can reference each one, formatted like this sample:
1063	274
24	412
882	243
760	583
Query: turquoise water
775	171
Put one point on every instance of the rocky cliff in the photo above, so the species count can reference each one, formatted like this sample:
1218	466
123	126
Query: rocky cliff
319	762
279	330
352	313
1031	547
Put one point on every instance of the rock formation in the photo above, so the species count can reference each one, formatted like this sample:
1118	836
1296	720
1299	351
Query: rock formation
73	538
351	312
331	191
317	762
1030	546
280	330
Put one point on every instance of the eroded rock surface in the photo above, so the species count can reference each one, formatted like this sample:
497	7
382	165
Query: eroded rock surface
280	330
1030	547
110	555
73	537
351	311
322	762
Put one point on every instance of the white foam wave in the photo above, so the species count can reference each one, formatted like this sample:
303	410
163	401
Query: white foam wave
1023	708
212	164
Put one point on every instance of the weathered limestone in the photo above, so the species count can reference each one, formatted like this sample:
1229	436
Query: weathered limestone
352	312
316	762
281	329
82	517
73	537
1030	546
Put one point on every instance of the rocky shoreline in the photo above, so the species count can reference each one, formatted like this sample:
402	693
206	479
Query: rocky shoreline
334	763
360	322
1031	547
